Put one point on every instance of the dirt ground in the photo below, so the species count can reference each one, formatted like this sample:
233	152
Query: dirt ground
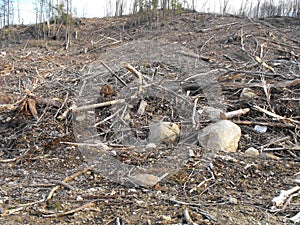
45	178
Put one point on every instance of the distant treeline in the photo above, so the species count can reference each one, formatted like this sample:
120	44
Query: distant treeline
54	10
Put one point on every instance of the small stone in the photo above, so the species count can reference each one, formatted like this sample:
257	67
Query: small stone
127	117
103	146
163	132
150	146
166	218
142	107
248	93
113	152
191	153
233	200
145	180
79	198
210	113
260	129
252	152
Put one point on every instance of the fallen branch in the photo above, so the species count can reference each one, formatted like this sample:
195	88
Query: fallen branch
242	40
274	115
83	207
279	43
284	195
136	73
20	207
67	179
256	73
97	105
235	113
106	119
59	182
217	27
8	160
197	56
100	144
281	125
207	215
187	217
112	73
278	84
194	112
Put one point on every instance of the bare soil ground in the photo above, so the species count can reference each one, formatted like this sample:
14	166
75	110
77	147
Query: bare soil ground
44	180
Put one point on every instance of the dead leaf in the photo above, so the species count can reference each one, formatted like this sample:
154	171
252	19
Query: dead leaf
32	108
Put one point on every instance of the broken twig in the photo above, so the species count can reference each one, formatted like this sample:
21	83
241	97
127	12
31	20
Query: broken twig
136	73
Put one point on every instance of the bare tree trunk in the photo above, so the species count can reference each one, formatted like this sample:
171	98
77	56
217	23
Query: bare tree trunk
68	23
4	13
117	8
225	5
258	8
18	9
8	12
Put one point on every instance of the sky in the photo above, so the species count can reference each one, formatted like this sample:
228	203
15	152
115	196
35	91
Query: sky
100	8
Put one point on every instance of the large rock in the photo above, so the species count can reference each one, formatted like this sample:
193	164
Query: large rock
222	135
163	132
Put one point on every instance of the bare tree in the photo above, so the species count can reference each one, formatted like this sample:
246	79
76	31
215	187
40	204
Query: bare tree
243	7
296	8
258	7
7	12
120	6
224	6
